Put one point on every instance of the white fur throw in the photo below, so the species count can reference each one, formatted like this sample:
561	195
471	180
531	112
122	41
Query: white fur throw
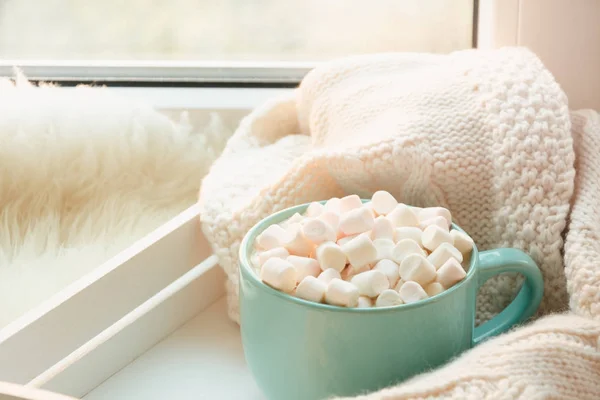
83	174
486	134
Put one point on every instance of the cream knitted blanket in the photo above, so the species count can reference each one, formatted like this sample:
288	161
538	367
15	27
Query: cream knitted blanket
486	134
557	357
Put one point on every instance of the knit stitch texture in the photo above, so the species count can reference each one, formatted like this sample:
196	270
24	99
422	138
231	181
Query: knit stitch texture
486	134
557	357
582	247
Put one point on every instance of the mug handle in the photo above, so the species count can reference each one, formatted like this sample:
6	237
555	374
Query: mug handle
494	262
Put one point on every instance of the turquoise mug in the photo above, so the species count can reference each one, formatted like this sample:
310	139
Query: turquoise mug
299	350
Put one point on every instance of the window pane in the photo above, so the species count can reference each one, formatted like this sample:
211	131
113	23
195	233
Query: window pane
236	30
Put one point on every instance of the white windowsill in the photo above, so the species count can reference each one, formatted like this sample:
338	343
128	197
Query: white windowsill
201	98
210	99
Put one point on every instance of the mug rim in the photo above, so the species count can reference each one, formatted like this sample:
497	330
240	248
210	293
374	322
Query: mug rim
248	273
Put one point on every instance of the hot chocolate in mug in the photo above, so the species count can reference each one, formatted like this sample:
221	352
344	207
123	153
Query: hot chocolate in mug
300	350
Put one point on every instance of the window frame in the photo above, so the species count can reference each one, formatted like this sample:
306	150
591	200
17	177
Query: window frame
161	73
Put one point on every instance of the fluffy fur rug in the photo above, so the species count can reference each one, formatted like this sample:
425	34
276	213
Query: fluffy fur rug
83	174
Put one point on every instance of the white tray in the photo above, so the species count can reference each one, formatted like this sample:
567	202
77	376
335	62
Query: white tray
201	360
102	337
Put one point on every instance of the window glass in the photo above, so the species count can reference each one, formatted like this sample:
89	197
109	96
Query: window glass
229	30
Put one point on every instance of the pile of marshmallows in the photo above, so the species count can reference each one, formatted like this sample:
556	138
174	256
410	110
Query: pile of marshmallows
353	254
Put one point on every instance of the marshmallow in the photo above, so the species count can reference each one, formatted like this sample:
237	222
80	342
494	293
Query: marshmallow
333	205
311	289
364	302
439	221
450	273
409	232
415	267
277	252
384	248
328	275
462	241
412	292
433	236
350	203
294	219
332	219
444	251
404	248
383	202
304	267
403	215
346	239
433	288
382	229
254	260
371	283
399	285
369	206
314	209
330	255
360	251
273	236
318	231
297	243
388	298
355	221
341	293
431	212
389	269
350	271
279	274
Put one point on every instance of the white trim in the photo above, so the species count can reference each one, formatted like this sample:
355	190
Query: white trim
12	391
160	71
212	99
